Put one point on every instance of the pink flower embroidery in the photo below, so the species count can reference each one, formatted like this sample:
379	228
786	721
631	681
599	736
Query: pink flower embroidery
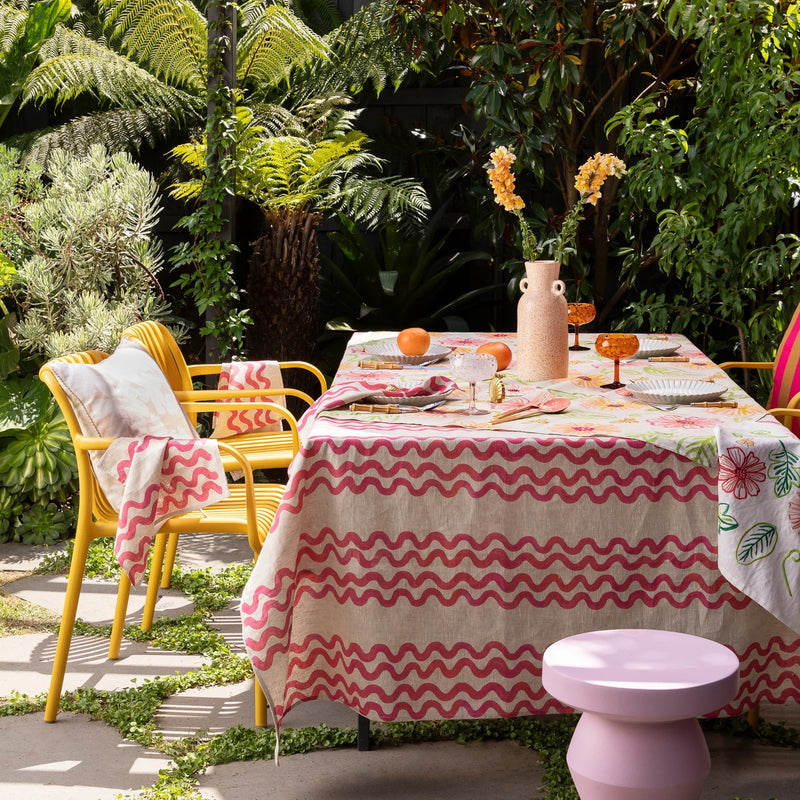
740	473
794	513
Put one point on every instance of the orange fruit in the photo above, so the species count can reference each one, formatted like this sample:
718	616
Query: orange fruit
501	352
413	341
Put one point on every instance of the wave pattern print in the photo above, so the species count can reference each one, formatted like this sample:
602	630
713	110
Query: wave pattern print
422	576
162	478
249	375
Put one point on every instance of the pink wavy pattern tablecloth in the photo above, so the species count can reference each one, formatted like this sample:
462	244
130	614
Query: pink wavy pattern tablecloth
419	571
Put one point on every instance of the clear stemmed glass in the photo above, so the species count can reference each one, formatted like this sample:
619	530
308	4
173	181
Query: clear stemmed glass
579	314
616	346
473	367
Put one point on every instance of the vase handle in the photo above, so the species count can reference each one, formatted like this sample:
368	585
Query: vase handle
523	285
558	287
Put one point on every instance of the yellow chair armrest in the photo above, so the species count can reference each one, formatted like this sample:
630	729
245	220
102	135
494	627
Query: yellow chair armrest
726	365
239	394
196	370
81	442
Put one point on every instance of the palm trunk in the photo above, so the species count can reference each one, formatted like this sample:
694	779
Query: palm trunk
283	289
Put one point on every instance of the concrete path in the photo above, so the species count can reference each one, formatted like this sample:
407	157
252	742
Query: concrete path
80	759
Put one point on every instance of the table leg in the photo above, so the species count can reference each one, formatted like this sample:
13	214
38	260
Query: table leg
363	733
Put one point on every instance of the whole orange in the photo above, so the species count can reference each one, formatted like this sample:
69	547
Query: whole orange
413	341
501	352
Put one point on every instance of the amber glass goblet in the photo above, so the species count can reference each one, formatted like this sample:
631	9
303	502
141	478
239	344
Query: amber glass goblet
616	346
579	314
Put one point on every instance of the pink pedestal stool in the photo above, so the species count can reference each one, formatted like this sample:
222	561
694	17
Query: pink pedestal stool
640	692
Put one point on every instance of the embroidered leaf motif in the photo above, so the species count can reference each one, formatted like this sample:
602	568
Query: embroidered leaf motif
703	451
794	555
756	543
783	470
725	521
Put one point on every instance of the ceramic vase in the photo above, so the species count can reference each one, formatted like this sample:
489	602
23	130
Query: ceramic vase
542	329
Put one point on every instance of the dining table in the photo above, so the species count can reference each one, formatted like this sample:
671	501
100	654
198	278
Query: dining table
421	561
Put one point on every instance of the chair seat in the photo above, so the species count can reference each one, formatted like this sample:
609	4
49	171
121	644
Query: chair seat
272	450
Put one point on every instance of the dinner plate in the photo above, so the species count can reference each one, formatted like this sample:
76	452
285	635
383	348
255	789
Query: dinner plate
652	348
674	390
389	351
421	400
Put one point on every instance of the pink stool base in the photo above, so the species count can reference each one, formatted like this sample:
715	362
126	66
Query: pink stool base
640	692
657	761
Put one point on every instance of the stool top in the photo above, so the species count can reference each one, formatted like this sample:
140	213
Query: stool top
641	673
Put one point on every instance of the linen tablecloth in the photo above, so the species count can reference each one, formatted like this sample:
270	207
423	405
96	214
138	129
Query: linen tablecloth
420	565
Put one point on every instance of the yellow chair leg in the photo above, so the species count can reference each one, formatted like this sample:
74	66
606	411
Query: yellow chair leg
261	707
73	593
151	599
754	716
120	611
169	563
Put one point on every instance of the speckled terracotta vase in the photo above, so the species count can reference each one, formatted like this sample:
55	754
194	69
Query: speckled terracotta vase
542	330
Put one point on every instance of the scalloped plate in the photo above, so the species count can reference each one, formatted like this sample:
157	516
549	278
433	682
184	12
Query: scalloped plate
423	400
652	348
389	351
669	391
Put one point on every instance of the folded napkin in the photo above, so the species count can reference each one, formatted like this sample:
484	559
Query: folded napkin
249	375
351	392
156	478
759	518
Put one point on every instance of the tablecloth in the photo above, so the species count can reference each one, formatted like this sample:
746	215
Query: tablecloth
418	567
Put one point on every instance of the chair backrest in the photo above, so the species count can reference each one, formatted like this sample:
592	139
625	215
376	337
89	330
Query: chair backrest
92	499
158	340
786	369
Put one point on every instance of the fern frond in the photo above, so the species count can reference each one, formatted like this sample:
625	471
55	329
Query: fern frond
73	65
273	44
277	120
363	50
322	16
118	129
169	37
12	26
374	201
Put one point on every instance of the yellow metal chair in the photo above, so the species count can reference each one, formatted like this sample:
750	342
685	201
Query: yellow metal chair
249	510
264	450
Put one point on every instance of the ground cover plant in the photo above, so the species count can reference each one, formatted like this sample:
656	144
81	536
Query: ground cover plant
132	710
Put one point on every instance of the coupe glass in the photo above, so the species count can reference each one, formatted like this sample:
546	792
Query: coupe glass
579	314
473	367
616	346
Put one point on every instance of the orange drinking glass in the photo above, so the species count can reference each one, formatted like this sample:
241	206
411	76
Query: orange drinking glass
616	346
579	314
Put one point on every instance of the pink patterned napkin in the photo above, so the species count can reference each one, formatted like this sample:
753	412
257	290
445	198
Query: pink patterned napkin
249	375
345	393
158	478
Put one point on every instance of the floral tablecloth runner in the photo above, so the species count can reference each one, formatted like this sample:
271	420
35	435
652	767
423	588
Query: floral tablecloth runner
593	411
759	519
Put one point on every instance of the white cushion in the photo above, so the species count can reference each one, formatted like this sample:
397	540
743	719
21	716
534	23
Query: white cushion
127	395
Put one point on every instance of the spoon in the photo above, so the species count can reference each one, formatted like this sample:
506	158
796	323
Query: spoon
552	406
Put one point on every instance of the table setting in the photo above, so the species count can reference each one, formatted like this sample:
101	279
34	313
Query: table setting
423	559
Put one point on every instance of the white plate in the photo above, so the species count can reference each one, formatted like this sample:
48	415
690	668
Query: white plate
666	391
422	400
389	351
652	348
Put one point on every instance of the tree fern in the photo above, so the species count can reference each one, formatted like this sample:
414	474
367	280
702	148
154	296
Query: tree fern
168	37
